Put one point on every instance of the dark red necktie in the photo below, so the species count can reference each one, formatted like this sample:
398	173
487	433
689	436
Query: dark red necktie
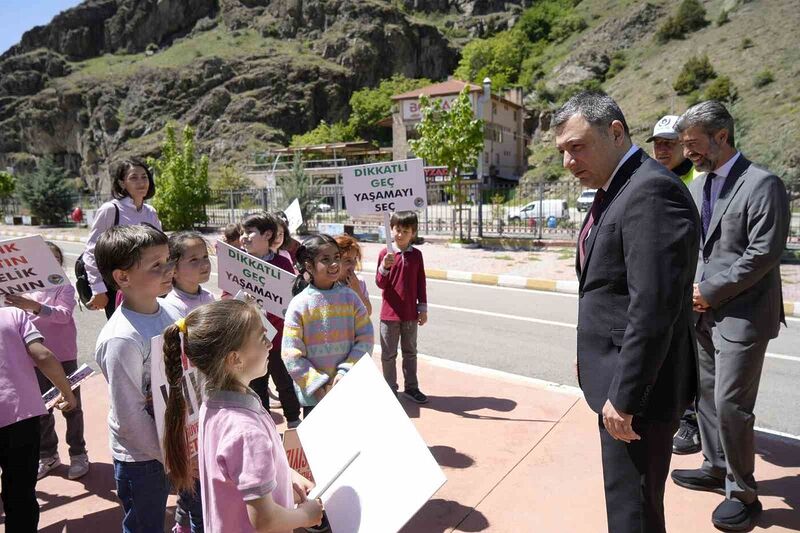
594	215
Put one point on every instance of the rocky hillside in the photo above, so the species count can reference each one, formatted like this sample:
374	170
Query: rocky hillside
102	79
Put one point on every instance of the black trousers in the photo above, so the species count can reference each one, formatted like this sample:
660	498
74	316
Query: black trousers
634	475
19	459
276	369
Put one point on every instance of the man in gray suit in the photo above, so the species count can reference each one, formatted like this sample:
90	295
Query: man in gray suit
744	212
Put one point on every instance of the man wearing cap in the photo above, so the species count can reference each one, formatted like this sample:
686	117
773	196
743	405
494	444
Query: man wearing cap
667	150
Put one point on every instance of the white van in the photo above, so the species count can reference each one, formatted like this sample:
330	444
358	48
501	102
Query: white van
539	210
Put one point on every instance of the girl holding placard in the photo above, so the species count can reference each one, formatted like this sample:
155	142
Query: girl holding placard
245	478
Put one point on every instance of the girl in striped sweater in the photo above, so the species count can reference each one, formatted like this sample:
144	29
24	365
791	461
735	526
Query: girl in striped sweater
327	328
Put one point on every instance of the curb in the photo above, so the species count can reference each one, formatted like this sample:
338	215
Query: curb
791	309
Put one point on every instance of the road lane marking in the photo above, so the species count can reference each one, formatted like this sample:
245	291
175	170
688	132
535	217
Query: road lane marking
784	357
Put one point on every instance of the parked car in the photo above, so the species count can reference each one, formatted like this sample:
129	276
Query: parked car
320	207
585	200
539	210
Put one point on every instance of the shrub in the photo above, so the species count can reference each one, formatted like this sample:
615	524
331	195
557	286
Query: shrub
721	89
46	192
325	133
231	179
498	57
747	42
695	72
691	16
566	26
723	18
763	78
182	190
7	184
618	62
297	184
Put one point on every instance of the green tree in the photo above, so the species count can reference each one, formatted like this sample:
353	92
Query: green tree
498	57
370	105
46	192
691	16
182	190
230	179
325	133
452	138
7	184
695	72
721	89
298	184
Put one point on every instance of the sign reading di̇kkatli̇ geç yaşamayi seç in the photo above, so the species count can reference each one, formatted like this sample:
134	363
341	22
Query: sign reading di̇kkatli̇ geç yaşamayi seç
385	187
268	284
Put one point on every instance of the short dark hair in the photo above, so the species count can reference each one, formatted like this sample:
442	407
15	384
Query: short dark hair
280	218
179	242
262	222
232	232
56	251
711	116
120	248
124	166
405	219
599	110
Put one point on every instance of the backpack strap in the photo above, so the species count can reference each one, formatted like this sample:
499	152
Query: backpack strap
116	215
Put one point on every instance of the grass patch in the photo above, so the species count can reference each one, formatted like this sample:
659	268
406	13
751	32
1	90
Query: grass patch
504	257
565	254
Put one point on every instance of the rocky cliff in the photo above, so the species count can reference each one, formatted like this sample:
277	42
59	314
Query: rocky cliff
101	80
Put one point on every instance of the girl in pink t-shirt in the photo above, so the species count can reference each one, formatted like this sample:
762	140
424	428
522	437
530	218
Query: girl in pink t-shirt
245	478
50	311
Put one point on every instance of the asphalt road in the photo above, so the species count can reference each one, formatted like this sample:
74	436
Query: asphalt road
523	332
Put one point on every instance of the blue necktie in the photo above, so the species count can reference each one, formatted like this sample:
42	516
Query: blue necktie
707	208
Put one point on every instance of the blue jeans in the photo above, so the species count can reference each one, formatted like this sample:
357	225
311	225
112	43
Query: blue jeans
143	488
189	511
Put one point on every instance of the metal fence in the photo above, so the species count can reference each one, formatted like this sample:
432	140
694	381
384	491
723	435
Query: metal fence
539	211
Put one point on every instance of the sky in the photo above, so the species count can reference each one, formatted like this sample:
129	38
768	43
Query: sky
18	16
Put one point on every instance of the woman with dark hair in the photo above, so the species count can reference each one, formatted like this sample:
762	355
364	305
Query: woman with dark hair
133	184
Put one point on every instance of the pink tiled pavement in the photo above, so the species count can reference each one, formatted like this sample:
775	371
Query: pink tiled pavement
518	458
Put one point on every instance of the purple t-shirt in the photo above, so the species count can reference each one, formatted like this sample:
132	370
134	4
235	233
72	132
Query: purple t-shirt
241	459
20	398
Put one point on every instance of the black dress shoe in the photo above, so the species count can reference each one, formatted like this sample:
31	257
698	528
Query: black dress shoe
697	480
733	515
686	440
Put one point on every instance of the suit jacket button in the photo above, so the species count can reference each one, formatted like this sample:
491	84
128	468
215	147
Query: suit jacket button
580	294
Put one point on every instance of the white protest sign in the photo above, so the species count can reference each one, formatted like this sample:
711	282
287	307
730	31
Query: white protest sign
294	216
268	327
385	187
27	264
295	455
268	284
75	379
393	473
191	384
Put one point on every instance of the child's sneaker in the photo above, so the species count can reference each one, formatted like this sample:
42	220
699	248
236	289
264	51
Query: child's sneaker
78	466
46	464
415	395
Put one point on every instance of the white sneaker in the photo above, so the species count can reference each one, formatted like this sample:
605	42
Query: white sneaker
47	464
78	466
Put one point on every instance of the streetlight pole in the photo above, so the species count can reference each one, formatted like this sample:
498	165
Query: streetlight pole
486	96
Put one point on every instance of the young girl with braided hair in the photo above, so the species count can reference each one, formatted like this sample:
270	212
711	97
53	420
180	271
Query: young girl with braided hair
245	478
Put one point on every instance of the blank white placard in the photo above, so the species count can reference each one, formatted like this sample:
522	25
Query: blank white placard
394	473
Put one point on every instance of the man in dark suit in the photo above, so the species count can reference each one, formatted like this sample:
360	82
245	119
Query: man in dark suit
745	221
636	260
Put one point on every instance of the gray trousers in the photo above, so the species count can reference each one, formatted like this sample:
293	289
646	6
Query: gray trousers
47	423
729	374
406	334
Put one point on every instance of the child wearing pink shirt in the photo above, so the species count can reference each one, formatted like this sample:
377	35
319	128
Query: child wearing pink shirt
50	311
21	405
245	478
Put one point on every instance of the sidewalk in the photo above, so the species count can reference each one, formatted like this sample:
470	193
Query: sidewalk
520	456
545	270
